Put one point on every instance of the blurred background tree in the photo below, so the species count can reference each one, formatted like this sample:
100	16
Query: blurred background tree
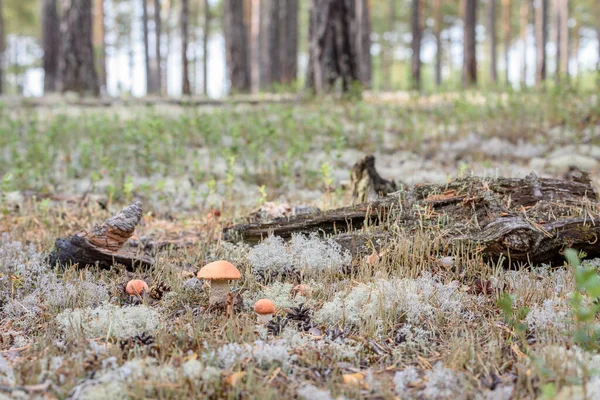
214	47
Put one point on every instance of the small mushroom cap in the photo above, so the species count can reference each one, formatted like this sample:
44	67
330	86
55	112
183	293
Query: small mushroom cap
136	287
264	306
219	270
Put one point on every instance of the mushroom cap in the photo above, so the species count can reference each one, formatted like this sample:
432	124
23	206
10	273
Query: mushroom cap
264	306
219	270
136	287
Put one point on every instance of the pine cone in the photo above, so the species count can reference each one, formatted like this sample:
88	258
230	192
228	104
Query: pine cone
158	290
140	340
302	316
276	325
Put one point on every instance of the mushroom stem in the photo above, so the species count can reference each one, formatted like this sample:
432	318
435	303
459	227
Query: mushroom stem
264	318
219	288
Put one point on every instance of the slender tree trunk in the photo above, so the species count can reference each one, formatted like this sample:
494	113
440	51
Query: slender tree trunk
2	46
185	79
363	41
449	60
236	45
50	44
506	14
437	31
493	42
524	13
149	81
289	38
255	54
168	32
131	58
562	40
469	44
564	37
415	22
575	47
205	37
274	43
387	59
270	43
98	31
77	70
157	29
598	56
541	38
332	47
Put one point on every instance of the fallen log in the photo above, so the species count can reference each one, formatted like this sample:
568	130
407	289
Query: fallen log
524	220
103	245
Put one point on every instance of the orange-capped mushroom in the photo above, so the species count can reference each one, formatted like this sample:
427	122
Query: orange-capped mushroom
265	309
219	273
136	287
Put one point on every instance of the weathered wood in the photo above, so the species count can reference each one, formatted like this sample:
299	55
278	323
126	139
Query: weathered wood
528	219
367	184
103	245
520	240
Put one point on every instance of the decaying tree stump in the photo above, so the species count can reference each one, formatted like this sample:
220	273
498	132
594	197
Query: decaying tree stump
367	184
103	245
524	220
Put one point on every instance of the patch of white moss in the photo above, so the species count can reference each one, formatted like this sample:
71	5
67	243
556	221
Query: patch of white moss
108	320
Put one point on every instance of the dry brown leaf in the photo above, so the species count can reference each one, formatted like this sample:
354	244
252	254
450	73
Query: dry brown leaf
234	378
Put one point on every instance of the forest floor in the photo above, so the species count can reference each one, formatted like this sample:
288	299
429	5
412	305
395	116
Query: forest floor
436	327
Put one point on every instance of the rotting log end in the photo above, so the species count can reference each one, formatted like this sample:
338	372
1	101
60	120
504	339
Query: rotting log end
103	246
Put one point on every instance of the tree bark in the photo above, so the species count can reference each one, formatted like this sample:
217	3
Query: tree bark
575	50
367	184
157	32
2	46
524	22
564	37
168	29
270	43
598	55
185	79
469	43
77	70
415	22
236	45
437	31
50	45
255	53
541	38
332	46
363	42
205	37
98	34
387	59
149	80
289	39
562	40
493	42
506	6
103	245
